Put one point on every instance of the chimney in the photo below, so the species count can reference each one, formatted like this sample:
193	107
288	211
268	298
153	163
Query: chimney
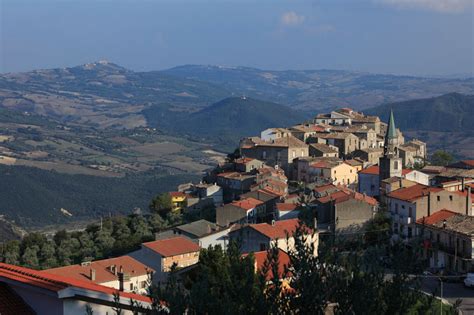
92	274
273	222
468	200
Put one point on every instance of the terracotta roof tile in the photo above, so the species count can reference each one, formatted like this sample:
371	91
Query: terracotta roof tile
286	206
374	170
56	283
436	217
283	262
247	203
279	230
103	269
413	192
173	246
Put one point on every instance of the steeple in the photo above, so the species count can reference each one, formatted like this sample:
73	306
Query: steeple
392	130
390	147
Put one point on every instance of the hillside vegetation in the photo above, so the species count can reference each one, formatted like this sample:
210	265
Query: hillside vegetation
227	120
450	112
35	197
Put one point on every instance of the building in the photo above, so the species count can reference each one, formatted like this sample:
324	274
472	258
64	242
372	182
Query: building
287	211
448	240
121	273
276	153
390	163
271	134
342	209
369	180
178	201
323	150
209	191
26	291
243	211
336	172
303	132
160	255
417	177
234	184
345	142
204	233
246	165
370	155
407	205
391	184
262	236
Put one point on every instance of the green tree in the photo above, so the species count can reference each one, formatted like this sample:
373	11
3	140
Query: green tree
48	255
161	204
441	158
11	252
30	257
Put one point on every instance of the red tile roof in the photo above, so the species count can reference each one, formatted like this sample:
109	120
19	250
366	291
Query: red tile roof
324	188
374	170
344	194
177	194
12	303
56	283
103	270
247	203
286	206
243	160
413	193
283	262
172	246
279	230
436	217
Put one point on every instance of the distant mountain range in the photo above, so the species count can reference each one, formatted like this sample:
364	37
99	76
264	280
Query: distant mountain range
103	94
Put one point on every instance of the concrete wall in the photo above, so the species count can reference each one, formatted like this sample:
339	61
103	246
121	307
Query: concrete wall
219	238
151	259
353	214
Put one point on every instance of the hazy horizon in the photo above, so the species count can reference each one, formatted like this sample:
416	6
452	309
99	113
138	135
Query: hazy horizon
431	38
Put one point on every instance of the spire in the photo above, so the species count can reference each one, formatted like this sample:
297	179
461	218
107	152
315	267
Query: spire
392	130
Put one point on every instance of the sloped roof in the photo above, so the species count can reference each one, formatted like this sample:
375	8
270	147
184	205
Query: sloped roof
247	203
56	283
103	271
198	228
436	217
344	194
375	170
172	246
413	193
392	130
283	262
286	206
279	230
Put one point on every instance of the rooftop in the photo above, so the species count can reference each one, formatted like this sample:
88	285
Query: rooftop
413	193
199	228
456	222
105	270
323	148
172	246
344	194
286	206
57	283
375	170
279	230
283	262
247	203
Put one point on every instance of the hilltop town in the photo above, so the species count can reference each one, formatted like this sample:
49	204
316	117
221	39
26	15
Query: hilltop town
286	193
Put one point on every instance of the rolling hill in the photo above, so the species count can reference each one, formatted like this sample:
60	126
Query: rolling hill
227	120
452	112
445	122
323	89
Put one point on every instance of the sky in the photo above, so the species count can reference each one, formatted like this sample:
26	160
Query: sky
414	37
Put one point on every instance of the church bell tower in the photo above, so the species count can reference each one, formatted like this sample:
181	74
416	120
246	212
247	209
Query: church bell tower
390	164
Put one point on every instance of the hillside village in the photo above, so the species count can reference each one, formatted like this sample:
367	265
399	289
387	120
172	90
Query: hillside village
333	173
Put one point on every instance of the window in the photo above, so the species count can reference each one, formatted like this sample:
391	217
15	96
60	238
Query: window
437	238
450	198
410	212
142	284
294	153
131	286
264	155
403	206
396	208
410	232
395	165
348	181
438	198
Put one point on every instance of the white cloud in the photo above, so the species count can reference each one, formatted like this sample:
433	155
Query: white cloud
290	18
444	6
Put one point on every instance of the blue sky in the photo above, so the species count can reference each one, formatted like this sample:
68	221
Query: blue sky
422	37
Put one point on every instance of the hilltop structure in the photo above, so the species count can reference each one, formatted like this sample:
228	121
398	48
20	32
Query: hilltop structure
390	163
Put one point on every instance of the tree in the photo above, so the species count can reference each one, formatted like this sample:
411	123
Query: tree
11	252
30	257
161	204
441	158
48	255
